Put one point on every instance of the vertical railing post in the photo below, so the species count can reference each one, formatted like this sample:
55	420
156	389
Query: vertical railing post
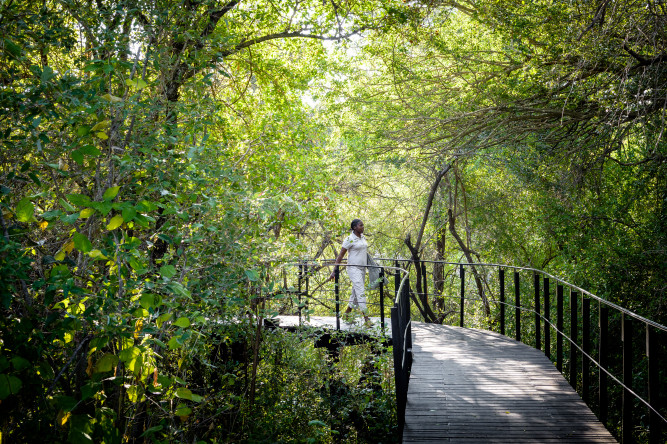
404	300
337	294
538	332
408	332
603	359
397	279
300	279
501	277
306	295
517	305
424	280
586	347
402	344
462	272
626	336
559	327
655	424
547	319
397	345
574	332
382	299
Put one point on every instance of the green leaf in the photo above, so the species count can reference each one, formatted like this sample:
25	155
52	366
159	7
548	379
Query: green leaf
102	207
86	213
51	215
136	83
129	214
81	430
47	74
115	222
151	430
80	200
34	178
9	385
111	193
131	357
178	289
183	410
77	156
182	322
167	271
135	394
20	363
252	275
90	150
102	125
83	130
137	265
183	393
67	206
162	319
82	243
97	254
12	48
106	363
25	210
173	343
141	220
150	300
70	218
90	389
112	99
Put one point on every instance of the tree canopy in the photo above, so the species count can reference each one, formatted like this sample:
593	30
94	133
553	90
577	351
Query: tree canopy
163	160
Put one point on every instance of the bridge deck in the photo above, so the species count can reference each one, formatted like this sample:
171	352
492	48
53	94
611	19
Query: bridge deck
475	386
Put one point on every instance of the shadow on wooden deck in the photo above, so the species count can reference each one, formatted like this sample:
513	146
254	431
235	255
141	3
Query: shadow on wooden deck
476	386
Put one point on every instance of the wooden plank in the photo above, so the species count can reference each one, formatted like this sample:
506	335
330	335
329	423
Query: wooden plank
475	386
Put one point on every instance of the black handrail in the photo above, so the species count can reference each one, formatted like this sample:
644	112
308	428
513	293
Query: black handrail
580	337
401	324
580	341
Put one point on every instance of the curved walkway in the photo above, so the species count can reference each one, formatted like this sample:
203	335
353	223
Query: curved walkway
476	386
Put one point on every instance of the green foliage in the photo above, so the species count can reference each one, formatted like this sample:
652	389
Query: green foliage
158	161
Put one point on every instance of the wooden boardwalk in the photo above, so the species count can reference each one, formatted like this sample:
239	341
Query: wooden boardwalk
475	386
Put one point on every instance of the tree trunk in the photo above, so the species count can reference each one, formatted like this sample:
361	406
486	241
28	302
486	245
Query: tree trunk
468	254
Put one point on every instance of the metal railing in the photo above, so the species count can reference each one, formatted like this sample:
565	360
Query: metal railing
580	341
400	311
589	342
